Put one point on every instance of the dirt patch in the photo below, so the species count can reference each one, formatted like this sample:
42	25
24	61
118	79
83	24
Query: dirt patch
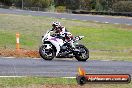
19	53
126	27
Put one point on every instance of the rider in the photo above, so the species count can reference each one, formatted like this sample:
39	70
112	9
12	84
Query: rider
62	31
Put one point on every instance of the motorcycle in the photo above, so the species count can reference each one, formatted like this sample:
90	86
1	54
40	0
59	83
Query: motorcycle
54	46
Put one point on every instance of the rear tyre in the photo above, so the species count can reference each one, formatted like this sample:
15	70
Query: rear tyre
47	54
83	53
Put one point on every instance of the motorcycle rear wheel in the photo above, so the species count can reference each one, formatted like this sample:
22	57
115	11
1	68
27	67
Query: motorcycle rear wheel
83	53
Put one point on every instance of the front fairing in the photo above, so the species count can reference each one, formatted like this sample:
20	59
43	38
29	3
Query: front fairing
55	40
46	36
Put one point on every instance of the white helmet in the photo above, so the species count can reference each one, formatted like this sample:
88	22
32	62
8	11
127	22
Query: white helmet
56	24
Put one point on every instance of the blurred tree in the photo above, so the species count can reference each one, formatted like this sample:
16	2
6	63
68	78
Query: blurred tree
60	2
44	3
98	5
123	6
33	3
72	4
86	4
8	2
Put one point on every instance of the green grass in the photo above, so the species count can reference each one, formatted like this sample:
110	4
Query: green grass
104	40
25	82
109	85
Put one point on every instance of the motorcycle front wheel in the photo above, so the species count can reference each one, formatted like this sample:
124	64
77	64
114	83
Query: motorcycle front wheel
46	54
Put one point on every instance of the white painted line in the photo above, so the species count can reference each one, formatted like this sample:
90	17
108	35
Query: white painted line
20	57
105	60
116	23
27	76
63	18
69	77
96	21
129	18
12	76
19	10
106	22
8	57
100	16
35	58
128	24
84	20
74	19
52	17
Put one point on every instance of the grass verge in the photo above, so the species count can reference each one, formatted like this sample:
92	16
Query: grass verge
41	82
25	81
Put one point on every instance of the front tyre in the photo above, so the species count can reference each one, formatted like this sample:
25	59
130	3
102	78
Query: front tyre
82	54
46	54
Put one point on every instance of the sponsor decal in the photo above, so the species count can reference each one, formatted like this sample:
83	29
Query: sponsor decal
83	78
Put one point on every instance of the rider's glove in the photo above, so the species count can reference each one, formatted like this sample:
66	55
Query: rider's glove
52	29
62	34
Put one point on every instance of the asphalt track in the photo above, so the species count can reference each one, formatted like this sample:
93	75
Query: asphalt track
95	18
60	68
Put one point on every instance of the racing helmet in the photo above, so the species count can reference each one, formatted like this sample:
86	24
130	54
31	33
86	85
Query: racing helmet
56	24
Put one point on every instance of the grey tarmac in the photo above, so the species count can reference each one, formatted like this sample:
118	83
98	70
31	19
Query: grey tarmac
94	18
60	68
